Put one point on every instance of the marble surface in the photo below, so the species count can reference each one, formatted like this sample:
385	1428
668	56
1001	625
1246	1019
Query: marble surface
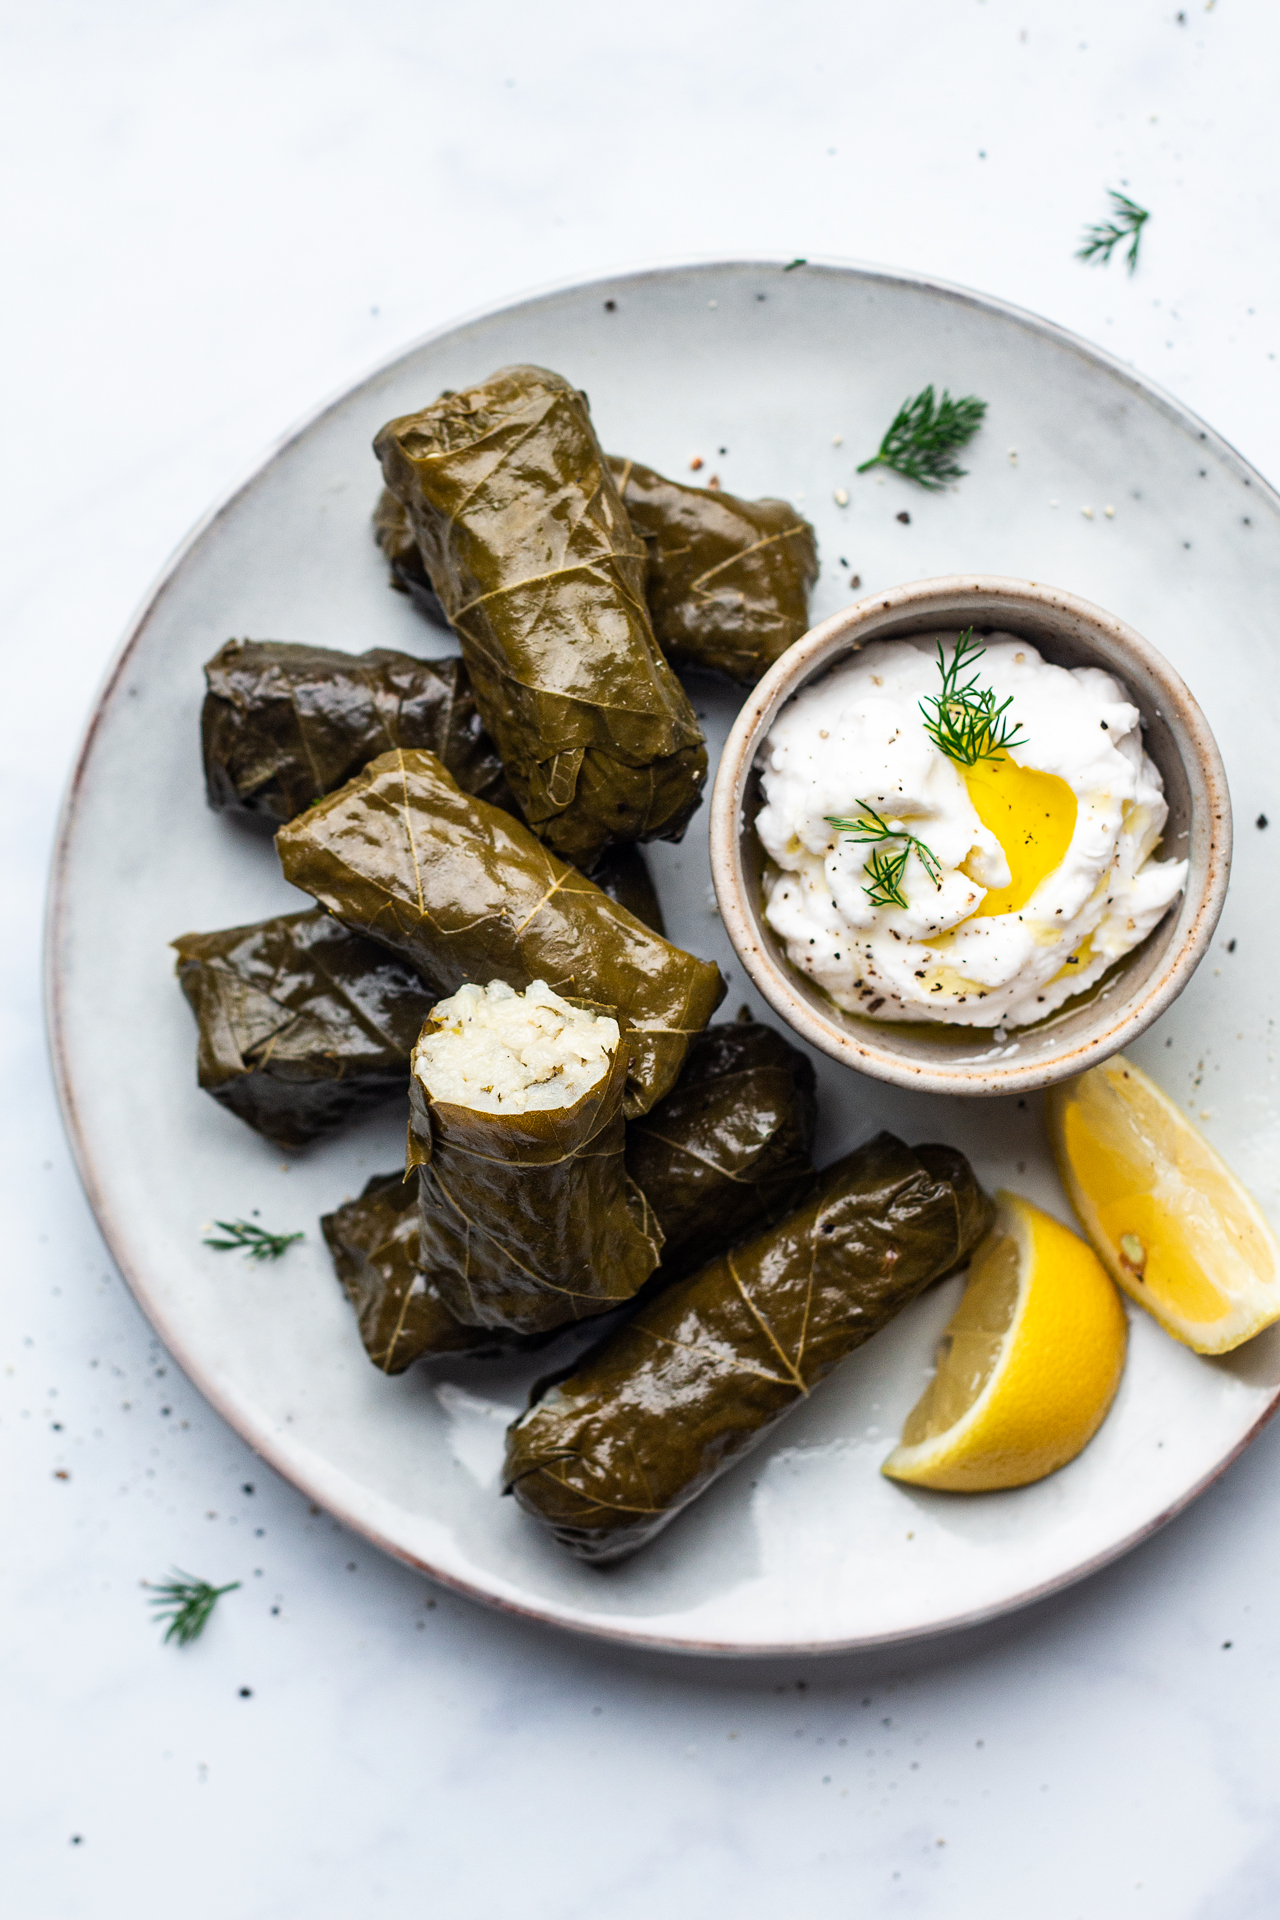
221	213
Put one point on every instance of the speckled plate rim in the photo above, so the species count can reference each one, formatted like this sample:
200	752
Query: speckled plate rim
297	1464
1113	1023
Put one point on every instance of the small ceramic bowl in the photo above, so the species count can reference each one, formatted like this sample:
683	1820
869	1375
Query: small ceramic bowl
969	1060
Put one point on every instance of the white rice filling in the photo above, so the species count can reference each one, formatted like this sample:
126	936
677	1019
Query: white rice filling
499	1051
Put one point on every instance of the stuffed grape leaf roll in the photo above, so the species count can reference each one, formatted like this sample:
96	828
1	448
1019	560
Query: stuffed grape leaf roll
374	1243
526	1216
394	535
283	725
730	1148
727	581
526	541
664	1405
302	1023
465	893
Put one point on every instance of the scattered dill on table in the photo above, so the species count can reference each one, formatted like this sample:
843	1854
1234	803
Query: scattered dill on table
1100	241
186	1604
925	435
885	870
258	1244
965	723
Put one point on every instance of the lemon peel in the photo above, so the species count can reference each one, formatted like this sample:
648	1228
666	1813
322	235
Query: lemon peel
1028	1364
1171	1222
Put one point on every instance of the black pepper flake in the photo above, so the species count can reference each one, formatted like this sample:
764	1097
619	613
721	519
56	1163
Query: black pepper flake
904	517
1261	820
611	306
246	1693
1231	946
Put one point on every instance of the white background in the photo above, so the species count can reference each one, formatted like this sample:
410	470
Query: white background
216	214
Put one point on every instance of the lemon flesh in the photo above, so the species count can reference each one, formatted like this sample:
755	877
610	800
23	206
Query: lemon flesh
1170	1220
1032	815
1027	1367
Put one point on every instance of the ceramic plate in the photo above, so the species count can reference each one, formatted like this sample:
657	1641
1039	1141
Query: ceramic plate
781	381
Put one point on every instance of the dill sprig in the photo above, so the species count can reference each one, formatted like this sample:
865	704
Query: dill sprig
258	1244
1099	242
885	870
925	434
966	724
186	1604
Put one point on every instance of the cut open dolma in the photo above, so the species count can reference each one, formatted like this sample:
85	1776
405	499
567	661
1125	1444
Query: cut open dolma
527	543
727	581
303	1024
526	1216
726	1150
654	1413
394	535
730	1148
465	893
283	725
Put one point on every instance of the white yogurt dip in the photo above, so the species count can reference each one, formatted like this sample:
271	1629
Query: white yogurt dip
1036	872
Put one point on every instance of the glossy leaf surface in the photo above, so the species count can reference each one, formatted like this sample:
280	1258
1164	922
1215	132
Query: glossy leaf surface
727	1148
727	581
528	1220
529	547
731	1146
394	535
302	1023
374	1244
464	892
698	1376
282	725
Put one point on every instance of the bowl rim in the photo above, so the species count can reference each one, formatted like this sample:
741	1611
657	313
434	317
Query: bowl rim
843	633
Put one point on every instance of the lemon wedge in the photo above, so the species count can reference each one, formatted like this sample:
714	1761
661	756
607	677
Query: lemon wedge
1028	1364
1171	1221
